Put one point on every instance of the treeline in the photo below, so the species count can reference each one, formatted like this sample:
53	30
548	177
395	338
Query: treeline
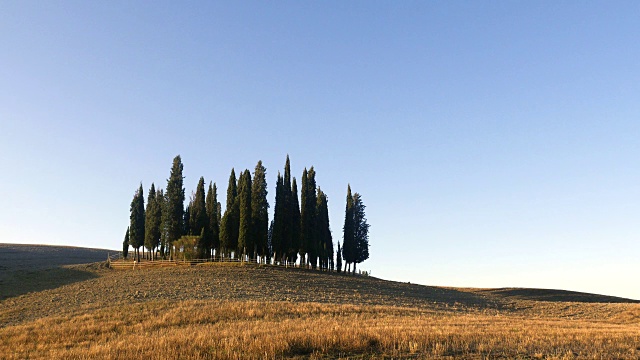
299	233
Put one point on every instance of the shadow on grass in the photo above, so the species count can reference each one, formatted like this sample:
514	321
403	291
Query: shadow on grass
556	296
16	283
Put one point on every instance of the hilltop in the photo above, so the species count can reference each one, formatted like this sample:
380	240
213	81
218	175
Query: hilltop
208	295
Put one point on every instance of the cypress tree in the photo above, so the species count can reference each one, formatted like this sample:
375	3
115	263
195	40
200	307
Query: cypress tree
153	220
361	231
303	219
269	244
339	258
186	220
230	223
325	240
348	243
259	210
245	236
200	220
278	221
287	246
175	202
212	214
125	244
137	220
308	216
161	200
294	213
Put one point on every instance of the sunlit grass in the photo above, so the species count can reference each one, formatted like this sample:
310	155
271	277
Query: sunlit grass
251	330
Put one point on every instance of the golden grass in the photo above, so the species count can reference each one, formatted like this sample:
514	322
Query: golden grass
211	329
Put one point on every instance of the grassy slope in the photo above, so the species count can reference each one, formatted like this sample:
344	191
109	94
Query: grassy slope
256	312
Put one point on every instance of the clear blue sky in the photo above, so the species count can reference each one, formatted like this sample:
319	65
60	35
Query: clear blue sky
494	143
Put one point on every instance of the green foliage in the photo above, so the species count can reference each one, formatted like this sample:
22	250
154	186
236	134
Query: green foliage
137	220
361	230
230	223
325	241
260	209
279	217
161	200
245	236
339	258
200	221
356	231
308	216
186	220
125	244
287	247
175	202
348	244
185	248
153	219
294	220
286	226
212	214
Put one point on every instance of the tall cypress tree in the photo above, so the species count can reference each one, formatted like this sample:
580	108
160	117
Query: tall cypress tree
161	200
245	236
304	247
325	240
361	231
348	244
294	213
287	245
260	210
137	220
339	258
212	214
125	245
153	220
308	216
269	244
186	219
175	202
230	223
277	232
200	220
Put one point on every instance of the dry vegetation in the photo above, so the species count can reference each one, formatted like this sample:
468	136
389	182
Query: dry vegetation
223	312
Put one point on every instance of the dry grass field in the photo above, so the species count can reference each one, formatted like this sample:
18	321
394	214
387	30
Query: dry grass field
234	311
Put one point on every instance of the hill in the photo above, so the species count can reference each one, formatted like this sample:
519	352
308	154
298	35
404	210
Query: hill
250	311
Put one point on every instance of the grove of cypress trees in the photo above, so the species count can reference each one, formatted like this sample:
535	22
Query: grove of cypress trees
175	202
212	214
137	220
259	210
348	243
245	236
